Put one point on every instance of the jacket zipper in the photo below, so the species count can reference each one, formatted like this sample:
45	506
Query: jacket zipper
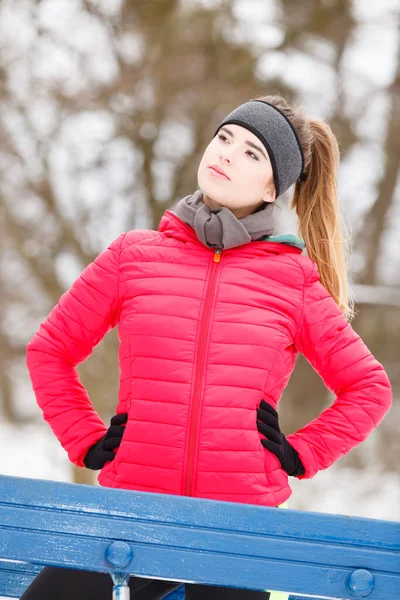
195	406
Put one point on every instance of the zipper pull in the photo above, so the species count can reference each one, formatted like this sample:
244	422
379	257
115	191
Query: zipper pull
217	255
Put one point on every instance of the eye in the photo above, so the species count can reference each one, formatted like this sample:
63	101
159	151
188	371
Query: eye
223	137
255	155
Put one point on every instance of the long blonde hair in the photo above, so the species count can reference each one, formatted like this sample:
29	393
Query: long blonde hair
316	202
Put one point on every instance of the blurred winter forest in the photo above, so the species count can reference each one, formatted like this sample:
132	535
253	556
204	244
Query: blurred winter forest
106	109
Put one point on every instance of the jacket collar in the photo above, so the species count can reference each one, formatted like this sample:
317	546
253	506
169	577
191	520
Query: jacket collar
172	226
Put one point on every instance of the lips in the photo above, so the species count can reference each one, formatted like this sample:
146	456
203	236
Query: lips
219	171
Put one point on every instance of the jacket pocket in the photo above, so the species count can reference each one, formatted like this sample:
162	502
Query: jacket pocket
277	477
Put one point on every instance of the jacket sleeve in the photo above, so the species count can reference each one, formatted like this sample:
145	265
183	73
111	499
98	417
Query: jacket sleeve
358	381
78	322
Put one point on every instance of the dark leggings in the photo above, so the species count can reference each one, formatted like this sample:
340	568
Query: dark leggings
67	584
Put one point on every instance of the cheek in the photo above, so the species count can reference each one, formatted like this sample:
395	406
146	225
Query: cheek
262	176
202	166
253	182
206	159
254	178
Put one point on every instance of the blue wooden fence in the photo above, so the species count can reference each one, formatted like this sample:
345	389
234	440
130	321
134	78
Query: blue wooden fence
189	539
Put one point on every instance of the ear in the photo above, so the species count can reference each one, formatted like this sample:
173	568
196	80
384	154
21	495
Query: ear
269	193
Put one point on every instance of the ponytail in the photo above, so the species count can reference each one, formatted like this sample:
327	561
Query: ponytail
316	202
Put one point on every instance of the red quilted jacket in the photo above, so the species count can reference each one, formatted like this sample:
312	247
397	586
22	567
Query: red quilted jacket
204	336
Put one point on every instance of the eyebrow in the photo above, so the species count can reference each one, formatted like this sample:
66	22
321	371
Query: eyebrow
229	132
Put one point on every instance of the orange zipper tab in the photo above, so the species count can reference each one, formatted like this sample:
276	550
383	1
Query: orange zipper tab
217	255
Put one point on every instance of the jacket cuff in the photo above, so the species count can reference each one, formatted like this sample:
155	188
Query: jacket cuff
306	456
77	453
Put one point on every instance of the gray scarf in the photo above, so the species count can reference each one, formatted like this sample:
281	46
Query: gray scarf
219	227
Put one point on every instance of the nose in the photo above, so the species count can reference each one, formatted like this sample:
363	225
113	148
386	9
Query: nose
224	159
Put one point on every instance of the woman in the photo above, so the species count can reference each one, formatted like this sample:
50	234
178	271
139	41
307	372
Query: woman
212	310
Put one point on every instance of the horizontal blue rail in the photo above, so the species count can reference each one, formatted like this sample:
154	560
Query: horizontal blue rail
190	539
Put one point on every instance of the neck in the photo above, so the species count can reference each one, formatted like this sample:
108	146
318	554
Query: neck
239	213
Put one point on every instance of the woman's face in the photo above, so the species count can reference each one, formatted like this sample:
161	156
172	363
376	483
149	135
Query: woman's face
249	177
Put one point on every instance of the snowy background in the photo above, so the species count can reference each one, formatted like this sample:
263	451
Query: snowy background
72	178
84	155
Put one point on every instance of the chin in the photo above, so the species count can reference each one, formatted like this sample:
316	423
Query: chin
216	194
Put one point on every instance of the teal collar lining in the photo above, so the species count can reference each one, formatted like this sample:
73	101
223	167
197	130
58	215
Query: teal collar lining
288	238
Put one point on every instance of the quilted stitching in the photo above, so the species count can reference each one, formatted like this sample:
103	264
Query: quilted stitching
362	388
268	305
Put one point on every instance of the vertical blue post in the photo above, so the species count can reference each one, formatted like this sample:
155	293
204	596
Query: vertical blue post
119	555
121	588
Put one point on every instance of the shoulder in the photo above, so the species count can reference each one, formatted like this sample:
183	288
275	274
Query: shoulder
316	297
124	241
307	269
137	236
133	237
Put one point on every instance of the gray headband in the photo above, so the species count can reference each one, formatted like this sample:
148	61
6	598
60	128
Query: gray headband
278	136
